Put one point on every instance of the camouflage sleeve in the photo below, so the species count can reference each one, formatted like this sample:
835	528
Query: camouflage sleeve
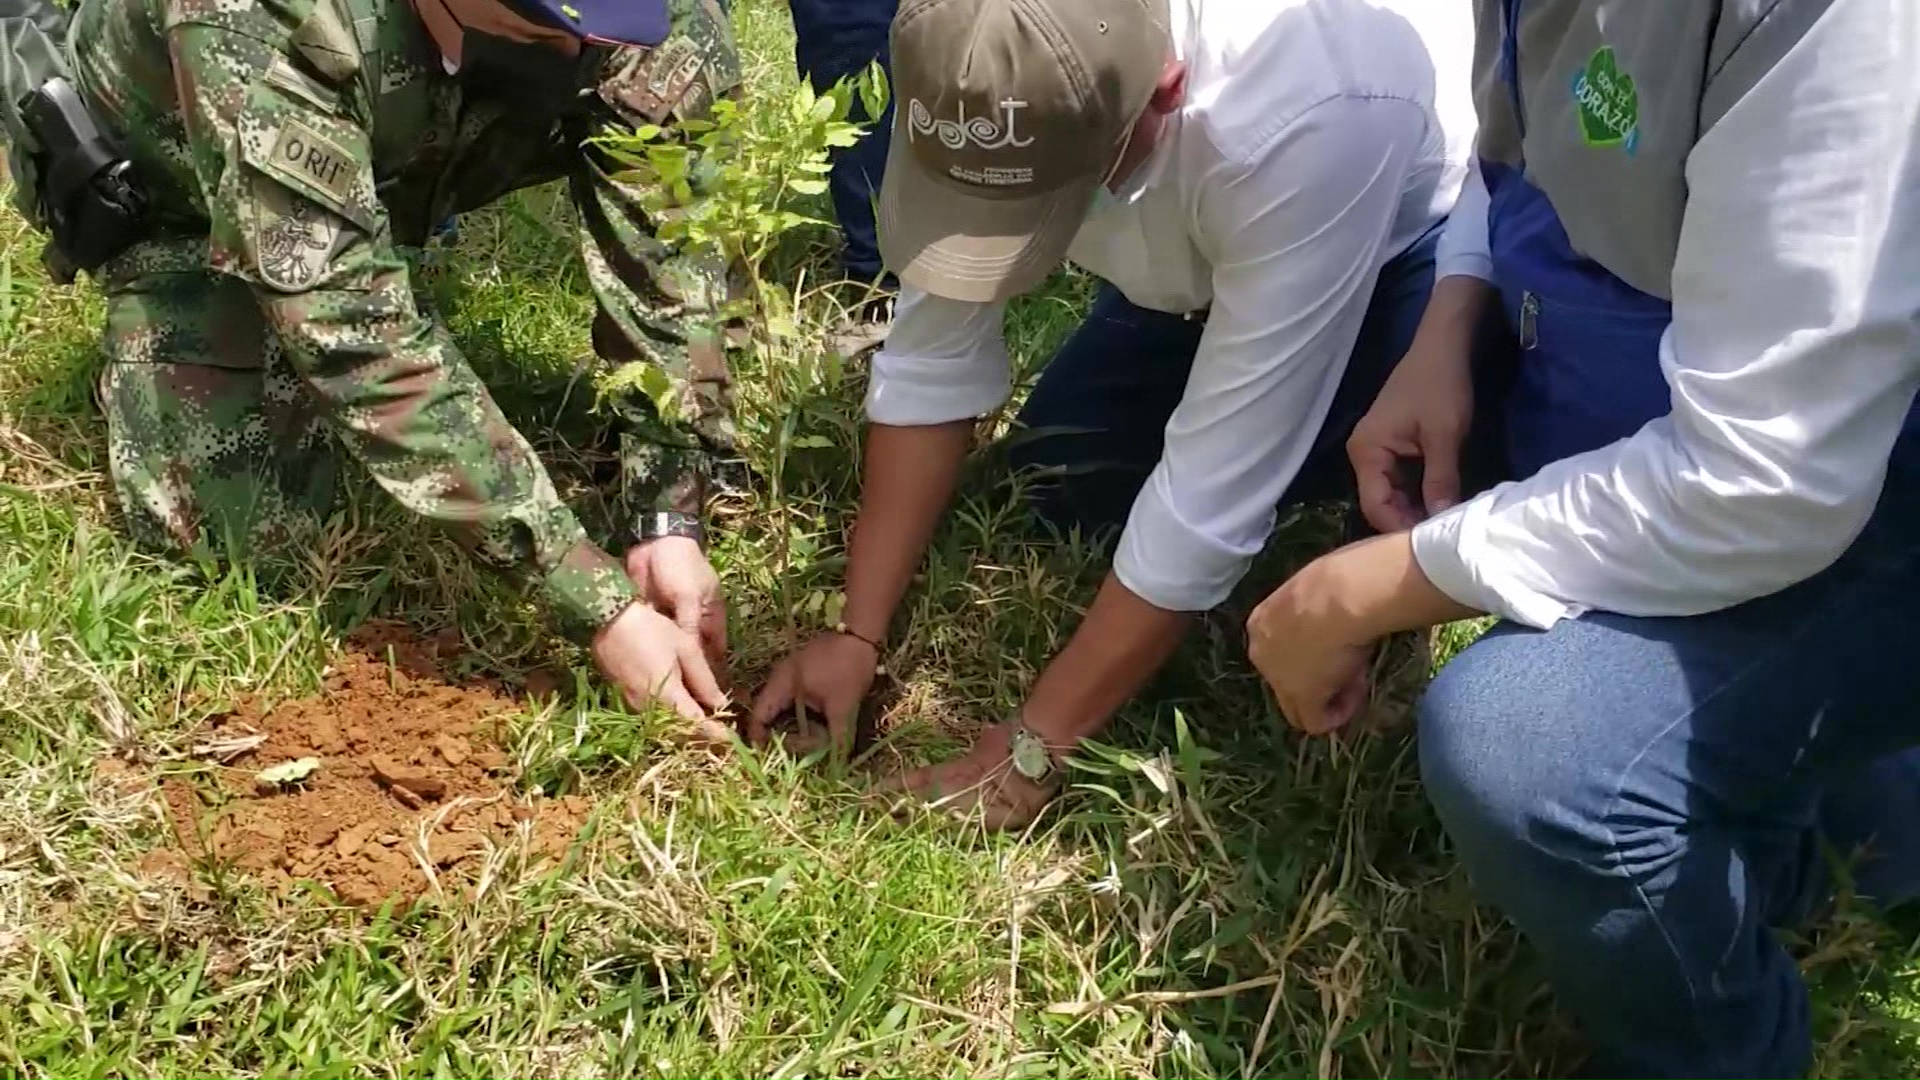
659	305
288	181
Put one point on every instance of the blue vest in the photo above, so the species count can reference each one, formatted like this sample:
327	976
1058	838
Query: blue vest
1589	368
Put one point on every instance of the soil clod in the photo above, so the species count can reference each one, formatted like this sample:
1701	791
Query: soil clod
408	779
453	749
413	778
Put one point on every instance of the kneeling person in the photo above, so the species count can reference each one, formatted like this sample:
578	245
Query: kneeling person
1700	221
264	330
1260	186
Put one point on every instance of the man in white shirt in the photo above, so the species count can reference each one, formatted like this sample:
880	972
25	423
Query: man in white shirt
1702	220
1261	187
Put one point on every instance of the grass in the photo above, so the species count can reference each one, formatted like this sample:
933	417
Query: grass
1219	898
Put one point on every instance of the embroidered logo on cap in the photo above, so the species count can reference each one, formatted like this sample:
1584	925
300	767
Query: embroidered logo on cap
978	133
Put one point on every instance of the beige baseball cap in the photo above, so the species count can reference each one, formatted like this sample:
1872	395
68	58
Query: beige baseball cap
1007	115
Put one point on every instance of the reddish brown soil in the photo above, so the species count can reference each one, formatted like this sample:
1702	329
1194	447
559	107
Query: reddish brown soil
410	778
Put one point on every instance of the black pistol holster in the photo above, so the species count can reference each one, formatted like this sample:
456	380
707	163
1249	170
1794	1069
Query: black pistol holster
71	176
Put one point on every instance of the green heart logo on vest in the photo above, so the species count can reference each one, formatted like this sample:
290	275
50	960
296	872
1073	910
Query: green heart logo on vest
1609	103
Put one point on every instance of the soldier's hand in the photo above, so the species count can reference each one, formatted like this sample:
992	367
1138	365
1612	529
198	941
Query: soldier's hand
673	574
651	659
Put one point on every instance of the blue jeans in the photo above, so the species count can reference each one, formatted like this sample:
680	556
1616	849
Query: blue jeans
834	39
1646	797
1096	420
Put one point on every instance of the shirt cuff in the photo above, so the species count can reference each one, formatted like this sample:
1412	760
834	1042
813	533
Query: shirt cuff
1172	565
1463	250
914	391
1471	264
1454	552
587	590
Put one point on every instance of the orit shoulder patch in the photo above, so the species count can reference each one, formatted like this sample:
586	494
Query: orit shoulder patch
305	158
284	136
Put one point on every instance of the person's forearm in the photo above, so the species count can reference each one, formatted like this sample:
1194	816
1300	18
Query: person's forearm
909	475
667	461
416	415
1453	315
1122	643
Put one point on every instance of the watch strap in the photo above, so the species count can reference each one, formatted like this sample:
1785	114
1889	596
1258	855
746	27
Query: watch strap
654	524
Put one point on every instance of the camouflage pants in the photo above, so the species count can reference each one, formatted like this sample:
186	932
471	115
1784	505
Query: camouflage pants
216	447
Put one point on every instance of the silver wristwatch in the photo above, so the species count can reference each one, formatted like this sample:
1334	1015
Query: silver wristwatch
1029	754
656	524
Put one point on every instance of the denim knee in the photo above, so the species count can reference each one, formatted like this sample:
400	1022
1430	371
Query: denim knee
1562	766
1527	779
1482	771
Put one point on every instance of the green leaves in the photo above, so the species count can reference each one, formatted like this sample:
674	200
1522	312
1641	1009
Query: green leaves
801	105
732	185
727	184
823	110
650	381
874	91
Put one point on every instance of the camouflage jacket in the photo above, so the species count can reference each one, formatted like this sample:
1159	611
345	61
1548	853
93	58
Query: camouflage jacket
311	140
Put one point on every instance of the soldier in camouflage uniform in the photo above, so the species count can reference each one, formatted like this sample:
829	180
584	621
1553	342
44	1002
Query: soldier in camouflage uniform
266	330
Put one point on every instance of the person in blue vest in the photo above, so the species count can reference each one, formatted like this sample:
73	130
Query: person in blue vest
833	40
1702	219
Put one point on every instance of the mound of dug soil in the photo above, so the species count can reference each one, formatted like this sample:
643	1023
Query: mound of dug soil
410	792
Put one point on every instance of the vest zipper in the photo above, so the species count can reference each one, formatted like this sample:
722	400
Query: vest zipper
1529	320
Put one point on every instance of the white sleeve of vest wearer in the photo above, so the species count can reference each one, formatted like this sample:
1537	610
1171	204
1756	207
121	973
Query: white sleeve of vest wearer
1463	250
943	360
1793	357
1298	251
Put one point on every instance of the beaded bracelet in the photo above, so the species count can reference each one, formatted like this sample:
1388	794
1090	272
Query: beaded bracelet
844	630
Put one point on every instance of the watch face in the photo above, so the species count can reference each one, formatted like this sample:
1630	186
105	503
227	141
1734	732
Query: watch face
1030	757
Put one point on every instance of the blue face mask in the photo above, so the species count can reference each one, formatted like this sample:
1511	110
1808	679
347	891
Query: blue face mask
1103	199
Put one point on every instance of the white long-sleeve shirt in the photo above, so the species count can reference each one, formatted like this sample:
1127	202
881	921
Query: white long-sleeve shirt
1793	357
1319	138
1464	249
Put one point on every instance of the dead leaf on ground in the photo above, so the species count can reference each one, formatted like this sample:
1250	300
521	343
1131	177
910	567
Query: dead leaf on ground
225	745
287	772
